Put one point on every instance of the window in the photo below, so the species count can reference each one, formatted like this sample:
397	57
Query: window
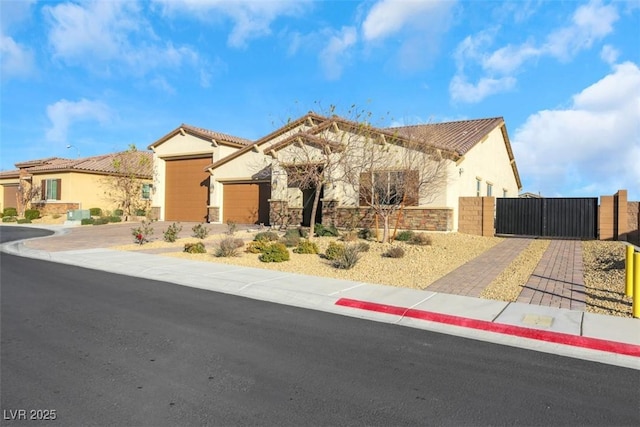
146	191
51	189
478	186
389	188
489	189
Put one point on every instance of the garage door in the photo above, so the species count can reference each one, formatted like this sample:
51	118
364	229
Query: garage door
10	196
187	190
246	203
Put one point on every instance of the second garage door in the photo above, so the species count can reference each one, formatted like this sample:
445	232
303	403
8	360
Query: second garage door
246	203
187	190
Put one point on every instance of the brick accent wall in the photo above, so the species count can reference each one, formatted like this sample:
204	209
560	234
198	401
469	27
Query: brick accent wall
633	222
426	219
52	208
613	217
476	215
280	214
213	214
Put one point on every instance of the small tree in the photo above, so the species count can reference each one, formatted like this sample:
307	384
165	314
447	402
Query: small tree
131	170
26	193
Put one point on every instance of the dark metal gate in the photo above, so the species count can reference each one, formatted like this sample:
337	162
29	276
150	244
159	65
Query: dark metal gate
574	217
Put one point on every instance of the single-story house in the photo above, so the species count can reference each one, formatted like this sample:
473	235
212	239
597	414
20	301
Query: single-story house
247	182
68	184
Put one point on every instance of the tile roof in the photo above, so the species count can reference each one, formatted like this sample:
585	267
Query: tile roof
218	136
458	136
97	164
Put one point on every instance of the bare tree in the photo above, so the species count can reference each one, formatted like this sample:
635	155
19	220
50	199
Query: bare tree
389	171
26	193
131	170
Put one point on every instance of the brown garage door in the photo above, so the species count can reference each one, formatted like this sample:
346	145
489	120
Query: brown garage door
246	203
10	196
187	190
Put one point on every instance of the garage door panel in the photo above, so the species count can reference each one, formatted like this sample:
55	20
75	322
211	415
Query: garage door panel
187	189
245	203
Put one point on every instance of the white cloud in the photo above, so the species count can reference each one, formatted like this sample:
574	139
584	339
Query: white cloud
333	56
17	60
462	90
111	37
592	146
251	18
63	114
589	23
609	54
422	24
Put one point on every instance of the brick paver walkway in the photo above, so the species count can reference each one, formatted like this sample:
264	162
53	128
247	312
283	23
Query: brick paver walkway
558	280
471	278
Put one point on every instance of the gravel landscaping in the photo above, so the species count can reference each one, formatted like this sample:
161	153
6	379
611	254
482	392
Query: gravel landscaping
604	267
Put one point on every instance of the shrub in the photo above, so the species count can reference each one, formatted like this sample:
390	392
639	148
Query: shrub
349	258
24	221
1	214
350	236
31	214
422	239
195	248
114	218
365	234
101	221
296	232
56	216
321	231
171	234
275	252
9	219
200	231
405	236
232	227
334	251
363	246
95	212
87	221
306	247
140	212
10	212
118	212
290	241
394	252
269	236
229	247
257	246
142	232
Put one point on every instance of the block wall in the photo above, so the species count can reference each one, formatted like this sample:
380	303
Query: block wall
476	215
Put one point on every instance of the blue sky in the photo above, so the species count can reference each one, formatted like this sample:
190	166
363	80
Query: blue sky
99	76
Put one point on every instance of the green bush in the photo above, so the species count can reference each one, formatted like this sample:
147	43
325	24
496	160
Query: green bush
422	239
322	231
394	252
101	221
363	246
1	214
200	231
118	212
306	247
31	214
10	212
275	252
349	258
290	241
334	251
350	236
87	221
56	216
405	236
9	219
171	233
257	246
365	234
297	232
142	232
269	236
140	212
114	218
229	247
95	212
195	248
24	221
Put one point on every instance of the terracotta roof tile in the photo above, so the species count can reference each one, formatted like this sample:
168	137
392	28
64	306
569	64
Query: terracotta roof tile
219	136
96	164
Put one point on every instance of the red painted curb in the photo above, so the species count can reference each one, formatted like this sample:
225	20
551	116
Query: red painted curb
501	328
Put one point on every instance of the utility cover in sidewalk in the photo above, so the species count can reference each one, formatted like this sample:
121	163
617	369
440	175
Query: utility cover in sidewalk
537	320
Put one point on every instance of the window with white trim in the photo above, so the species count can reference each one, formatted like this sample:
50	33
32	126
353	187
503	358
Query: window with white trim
51	189
146	191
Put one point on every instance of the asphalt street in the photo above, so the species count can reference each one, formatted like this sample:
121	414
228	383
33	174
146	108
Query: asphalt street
105	349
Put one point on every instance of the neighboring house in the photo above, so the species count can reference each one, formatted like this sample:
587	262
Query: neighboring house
68	184
247	182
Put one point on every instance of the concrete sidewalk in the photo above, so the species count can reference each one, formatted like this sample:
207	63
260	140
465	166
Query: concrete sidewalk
574	333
